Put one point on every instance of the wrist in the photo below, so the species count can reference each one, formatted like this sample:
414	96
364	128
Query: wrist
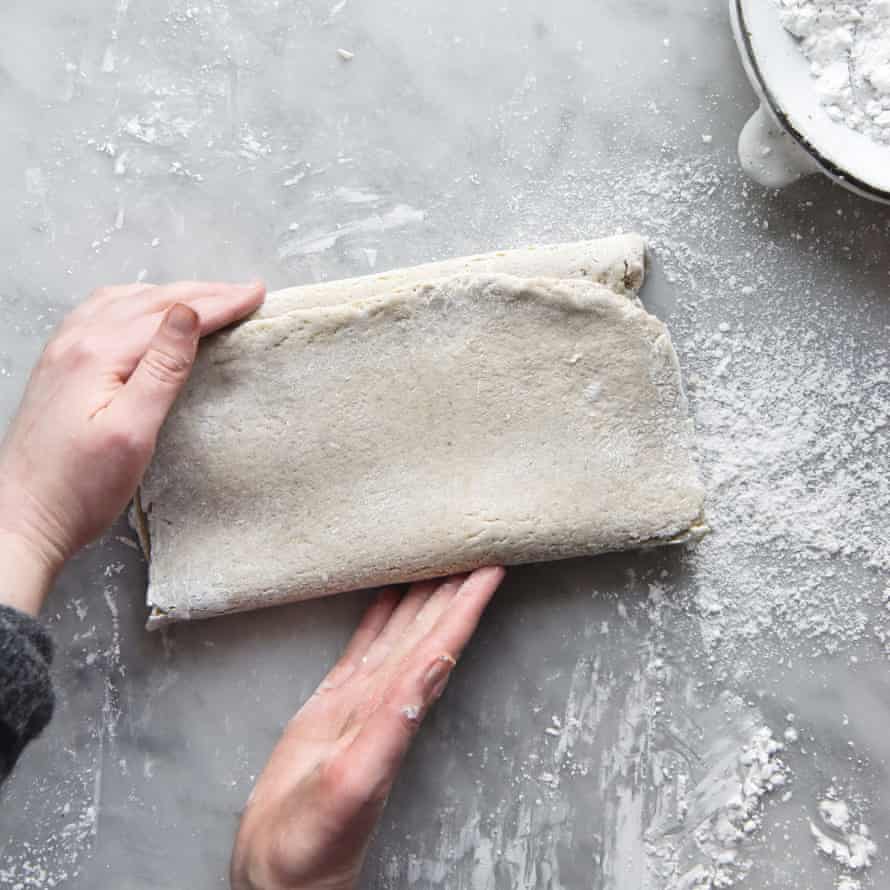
26	574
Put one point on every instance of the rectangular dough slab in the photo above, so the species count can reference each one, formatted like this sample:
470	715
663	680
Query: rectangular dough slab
430	427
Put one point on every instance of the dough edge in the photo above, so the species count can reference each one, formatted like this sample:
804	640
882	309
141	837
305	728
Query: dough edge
618	282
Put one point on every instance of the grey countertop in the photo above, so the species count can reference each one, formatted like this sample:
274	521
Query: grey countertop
606	727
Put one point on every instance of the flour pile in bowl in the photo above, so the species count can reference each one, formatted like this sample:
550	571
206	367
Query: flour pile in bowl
847	43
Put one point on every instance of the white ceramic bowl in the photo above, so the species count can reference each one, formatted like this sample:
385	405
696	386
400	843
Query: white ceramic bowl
792	135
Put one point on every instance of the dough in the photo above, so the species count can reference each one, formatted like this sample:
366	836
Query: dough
618	263
432	428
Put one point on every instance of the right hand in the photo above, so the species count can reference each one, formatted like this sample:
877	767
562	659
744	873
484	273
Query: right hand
309	819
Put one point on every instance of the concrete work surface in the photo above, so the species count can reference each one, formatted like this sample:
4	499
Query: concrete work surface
658	720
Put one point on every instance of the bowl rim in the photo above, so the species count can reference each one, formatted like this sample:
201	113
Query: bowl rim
829	167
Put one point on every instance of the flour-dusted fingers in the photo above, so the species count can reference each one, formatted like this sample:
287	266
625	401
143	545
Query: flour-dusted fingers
456	615
118	323
446	588
220	311
412	602
375	619
424	621
94	306
337	700
126	345
103	297
216	308
458	622
380	744
161	298
364	770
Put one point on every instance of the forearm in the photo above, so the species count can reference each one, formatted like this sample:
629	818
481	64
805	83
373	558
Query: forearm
25	576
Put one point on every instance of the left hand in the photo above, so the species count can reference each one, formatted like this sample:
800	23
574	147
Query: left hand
86	428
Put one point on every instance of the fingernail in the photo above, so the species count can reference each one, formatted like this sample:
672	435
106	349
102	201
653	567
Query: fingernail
412	713
182	320
253	285
436	678
497	571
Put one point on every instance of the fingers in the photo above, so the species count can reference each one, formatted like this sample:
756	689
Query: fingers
387	631
238	299
373	621
424	620
412	602
433	609
146	398
105	296
363	772
220	310
222	302
458	623
126	317
217	305
380	745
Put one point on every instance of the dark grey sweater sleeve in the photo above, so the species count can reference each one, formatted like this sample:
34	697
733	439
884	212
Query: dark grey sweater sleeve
26	690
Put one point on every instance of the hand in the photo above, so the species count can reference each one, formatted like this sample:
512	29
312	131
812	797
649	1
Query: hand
86	428
310	817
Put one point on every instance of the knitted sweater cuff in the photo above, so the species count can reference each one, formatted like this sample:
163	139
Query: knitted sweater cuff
26	691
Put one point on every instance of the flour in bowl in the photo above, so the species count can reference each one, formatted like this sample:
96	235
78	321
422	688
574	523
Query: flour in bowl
847	43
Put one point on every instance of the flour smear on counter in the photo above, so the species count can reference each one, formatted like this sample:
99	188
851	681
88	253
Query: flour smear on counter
847	43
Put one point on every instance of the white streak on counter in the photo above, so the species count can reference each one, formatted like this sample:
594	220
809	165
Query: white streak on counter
401	215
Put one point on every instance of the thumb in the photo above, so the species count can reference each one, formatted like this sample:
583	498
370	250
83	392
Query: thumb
149	394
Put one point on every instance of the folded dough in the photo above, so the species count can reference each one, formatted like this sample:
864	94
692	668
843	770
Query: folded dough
434	425
617	262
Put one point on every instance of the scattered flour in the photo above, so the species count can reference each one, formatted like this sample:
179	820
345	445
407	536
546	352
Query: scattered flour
847	43
725	812
835	813
839	838
792	412
791	406
791	442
